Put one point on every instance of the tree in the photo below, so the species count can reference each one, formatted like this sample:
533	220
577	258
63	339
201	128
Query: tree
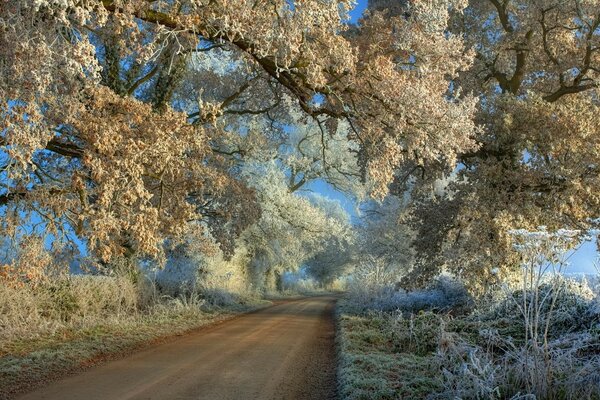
337	253
536	73
292	231
99	136
384	237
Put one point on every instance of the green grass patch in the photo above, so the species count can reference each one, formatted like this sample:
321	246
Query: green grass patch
382	357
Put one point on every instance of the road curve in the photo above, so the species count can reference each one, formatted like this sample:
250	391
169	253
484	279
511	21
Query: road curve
282	352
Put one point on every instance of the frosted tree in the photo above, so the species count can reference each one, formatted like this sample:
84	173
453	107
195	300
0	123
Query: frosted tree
98	138
535	72
292	228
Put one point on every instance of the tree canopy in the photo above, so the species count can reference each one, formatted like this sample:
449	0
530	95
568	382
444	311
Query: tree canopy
133	126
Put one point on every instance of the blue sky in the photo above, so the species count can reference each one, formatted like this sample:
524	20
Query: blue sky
325	189
583	260
358	10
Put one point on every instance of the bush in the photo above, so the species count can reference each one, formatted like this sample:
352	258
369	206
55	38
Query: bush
27	310
575	310
484	354
419	333
444	294
572	370
220	282
493	358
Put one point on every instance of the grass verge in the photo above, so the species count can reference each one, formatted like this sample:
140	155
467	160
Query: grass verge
486	353
375	362
29	363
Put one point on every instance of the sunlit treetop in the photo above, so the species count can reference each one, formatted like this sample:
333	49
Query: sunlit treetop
99	136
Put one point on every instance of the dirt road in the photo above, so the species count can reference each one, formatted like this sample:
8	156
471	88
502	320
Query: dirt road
281	352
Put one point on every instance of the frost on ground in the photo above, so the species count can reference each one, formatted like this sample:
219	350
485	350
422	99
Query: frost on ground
428	345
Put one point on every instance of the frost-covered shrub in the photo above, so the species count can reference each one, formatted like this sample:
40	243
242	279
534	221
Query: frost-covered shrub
185	303
592	281
498	355
178	276
468	371
219	297
575	307
86	297
540	341
226	282
218	281
301	286
482	355
570	370
417	333
372	281
29	310
443	294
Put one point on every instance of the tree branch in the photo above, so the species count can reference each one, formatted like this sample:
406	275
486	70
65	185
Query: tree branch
285	78
503	14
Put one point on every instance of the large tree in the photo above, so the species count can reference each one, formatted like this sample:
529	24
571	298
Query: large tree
110	133
537	75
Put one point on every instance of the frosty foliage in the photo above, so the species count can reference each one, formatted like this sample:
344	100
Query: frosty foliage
457	352
443	294
372	279
379	290
384	233
536	337
536	74
121	122
293	232
29	311
505	364
537	340
292	229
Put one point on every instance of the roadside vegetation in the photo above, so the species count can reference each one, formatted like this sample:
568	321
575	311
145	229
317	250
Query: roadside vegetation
64	324
536	339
